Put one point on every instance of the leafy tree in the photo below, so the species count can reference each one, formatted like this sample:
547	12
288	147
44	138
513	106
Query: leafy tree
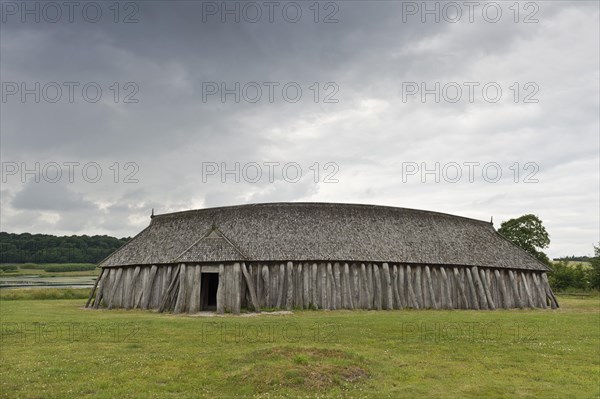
594	271
529	233
45	248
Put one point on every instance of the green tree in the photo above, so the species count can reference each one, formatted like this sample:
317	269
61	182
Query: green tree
594	271
529	233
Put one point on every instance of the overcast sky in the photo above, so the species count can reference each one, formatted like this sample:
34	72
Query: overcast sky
517	92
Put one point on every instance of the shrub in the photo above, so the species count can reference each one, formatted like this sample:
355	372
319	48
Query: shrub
69	267
565	277
6	268
31	266
594	271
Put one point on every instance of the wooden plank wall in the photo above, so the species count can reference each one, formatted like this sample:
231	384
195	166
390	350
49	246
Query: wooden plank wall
322	285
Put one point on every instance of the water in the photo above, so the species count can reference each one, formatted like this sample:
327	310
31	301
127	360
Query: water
47	282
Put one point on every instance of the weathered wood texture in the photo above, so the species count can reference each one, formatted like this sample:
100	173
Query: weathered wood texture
178	288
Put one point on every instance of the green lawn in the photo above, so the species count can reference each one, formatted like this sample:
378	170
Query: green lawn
56	349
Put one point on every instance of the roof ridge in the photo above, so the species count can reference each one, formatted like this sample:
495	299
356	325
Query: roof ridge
319	204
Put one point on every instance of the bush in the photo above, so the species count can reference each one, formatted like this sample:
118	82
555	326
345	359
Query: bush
594	271
568	277
69	267
31	266
6	268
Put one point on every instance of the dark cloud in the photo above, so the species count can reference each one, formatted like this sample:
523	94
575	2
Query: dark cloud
369	133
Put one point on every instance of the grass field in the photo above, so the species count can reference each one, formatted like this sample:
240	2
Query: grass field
56	349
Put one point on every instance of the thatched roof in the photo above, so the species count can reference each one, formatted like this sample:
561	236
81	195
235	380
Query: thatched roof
321	232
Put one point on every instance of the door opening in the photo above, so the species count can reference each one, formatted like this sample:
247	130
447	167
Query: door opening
210	283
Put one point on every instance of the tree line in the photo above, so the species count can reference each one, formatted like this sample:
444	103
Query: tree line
47	248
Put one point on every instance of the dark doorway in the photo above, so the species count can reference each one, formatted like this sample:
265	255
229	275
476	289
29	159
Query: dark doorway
210	283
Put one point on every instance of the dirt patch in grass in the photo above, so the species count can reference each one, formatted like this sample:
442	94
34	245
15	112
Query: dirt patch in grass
300	368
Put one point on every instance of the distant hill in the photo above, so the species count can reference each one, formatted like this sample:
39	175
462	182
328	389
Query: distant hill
46	248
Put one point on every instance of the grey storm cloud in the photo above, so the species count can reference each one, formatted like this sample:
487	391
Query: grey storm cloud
50	197
153	151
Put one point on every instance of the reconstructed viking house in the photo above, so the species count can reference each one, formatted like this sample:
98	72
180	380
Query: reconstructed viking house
321	256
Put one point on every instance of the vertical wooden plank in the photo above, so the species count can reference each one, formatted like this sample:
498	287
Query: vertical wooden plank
306	285
251	289
108	290
348	291
486	290
189	283
126	288
540	292
418	285
355	283
371	285
395	287
281	286
220	290
103	290
460	286
413	302
402	290
343	288
289	300
260	294
337	302
180	305
428	300
473	295
387	281
462	278
194	306
490	284
299	287
537	298
331	288
504	297
509	295
483	304
314	287
115	284
322	282
273	284
515	289
529	297
148	289
156	287
431	291
553	302
378	295
166	280
364	289
142	286
446	292
237	279
167	300
266	285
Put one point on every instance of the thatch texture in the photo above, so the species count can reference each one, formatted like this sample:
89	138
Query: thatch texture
321	232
